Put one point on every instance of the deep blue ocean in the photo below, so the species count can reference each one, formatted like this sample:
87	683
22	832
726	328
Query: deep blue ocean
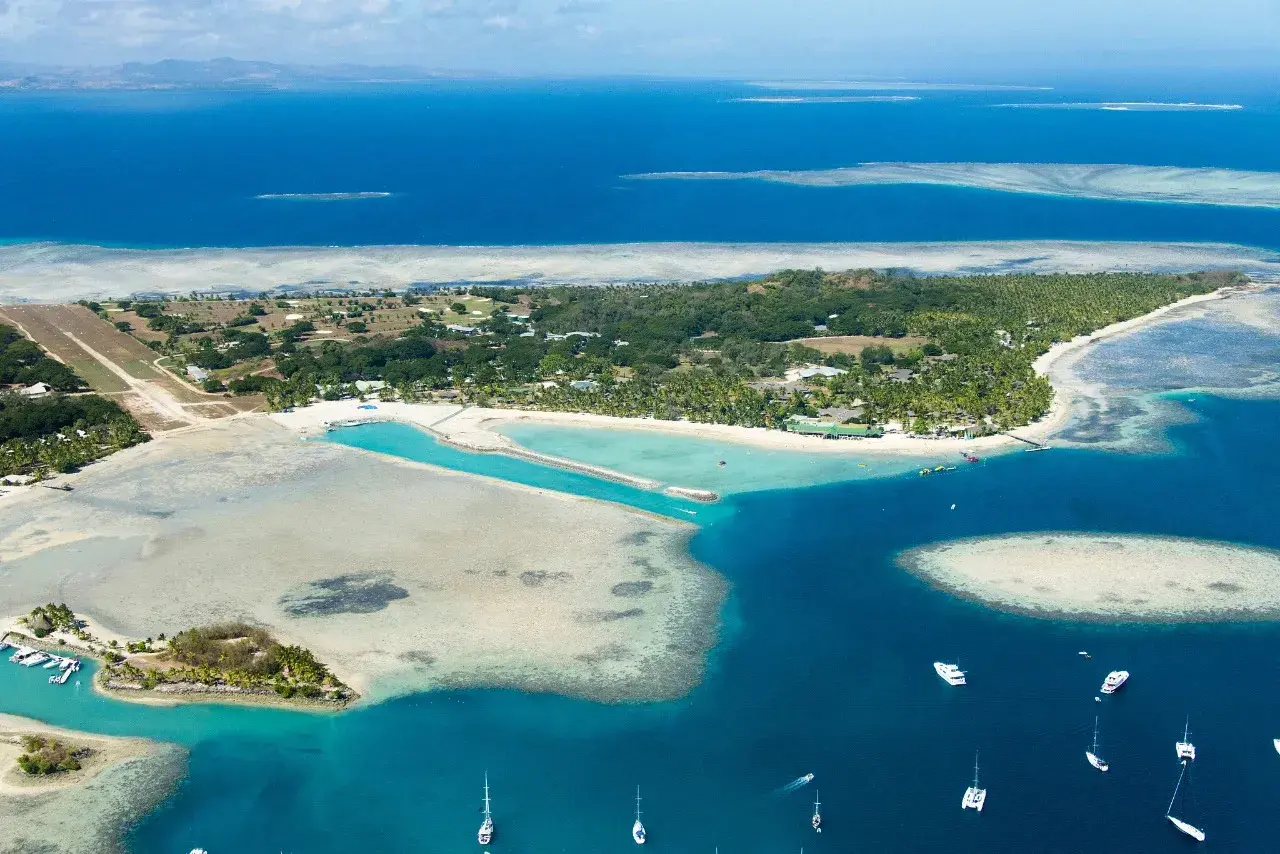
539	163
824	664
825	668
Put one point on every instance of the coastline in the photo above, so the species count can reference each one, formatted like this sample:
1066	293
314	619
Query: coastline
82	812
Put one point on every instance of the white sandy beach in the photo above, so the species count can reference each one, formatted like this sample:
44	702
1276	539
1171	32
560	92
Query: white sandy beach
59	272
400	576
1106	576
81	812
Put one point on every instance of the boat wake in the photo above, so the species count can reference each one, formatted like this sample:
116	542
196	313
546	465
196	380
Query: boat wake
797	783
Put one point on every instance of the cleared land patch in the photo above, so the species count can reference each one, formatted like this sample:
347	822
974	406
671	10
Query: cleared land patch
855	344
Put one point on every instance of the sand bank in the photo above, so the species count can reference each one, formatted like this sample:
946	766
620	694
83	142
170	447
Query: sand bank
58	272
400	576
1107	577
81	812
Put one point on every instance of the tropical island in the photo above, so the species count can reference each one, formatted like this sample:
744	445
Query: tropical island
884	351
232	660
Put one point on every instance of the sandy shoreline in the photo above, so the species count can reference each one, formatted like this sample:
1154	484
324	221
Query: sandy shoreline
1106	577
81	812
401	577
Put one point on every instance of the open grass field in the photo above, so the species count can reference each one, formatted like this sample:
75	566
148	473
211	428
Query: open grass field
331	315
119	366
855	344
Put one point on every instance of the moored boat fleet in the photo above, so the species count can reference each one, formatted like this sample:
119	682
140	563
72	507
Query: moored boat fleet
975	797
26	656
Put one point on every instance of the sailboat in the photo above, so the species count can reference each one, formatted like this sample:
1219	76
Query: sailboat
1186	750
486	828
1092	753
1186	827
974	797
637	829
816	821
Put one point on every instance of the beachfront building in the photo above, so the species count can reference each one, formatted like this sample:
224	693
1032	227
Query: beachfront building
830	429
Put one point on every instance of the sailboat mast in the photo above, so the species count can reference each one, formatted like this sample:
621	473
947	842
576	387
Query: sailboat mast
975	769
637	803
1095	734
486	793
1186	730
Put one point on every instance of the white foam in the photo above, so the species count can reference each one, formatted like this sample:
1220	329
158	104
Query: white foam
324	197
889	86
1128	106
825	99
1111	181
60	272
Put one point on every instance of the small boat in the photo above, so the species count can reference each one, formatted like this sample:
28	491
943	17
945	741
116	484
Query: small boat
949	673
637	829
53	661
1185	826
974	797
1275	742
1084	654
1186	750
722	464
1114	680
1092	753
968	457
486	828
21	652
816	821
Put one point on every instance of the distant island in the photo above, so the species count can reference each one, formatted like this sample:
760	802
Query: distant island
222	73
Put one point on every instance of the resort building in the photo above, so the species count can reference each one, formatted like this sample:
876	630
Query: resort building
809	371
830	429
197	373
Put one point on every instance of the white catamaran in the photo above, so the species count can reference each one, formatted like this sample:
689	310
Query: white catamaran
486	828
1186	750
1092	753
637	829
1185	826
974	797
816	821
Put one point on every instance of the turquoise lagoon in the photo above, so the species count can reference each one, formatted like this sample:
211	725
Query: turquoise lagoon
827	671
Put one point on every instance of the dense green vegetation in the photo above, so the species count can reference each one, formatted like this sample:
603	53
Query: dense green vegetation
717	352
44	755
41	435
238	655
23	363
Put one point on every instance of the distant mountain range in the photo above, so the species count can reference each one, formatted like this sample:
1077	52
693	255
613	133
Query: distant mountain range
221	73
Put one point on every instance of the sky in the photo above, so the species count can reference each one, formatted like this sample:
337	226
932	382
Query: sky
790	38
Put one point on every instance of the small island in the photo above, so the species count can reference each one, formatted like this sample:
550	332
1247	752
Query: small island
225	660
43	755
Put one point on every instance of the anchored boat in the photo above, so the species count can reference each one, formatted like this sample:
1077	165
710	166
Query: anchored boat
817	816
1092	753
637	829
1186	750
974	797
1115	679
486	828
949	673
1185	826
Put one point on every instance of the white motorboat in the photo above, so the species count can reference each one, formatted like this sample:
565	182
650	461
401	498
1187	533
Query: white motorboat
949	673
1092	753
974	797
637	829
1183	825
1186	750
485	834
1114	680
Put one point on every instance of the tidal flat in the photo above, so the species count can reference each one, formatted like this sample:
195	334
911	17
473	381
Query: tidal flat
401	577
1106	577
